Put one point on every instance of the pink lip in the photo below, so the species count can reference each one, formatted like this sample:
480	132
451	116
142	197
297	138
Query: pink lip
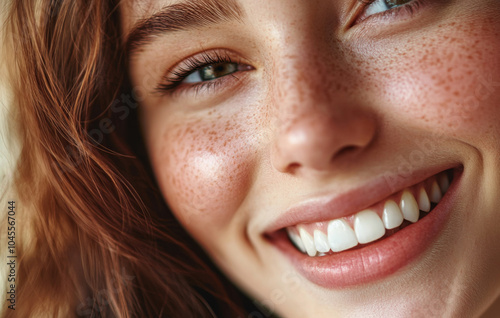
376	260
348	203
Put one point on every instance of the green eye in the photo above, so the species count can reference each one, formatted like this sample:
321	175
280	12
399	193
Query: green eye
211	72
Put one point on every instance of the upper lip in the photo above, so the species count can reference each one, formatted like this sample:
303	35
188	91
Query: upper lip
324	208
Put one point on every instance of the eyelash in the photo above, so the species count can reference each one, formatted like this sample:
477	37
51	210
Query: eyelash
408	9
173	81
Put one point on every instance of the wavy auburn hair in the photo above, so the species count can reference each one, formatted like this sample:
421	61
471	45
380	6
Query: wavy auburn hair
95	237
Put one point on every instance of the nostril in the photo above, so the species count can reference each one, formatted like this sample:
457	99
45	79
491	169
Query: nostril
293	167
345	151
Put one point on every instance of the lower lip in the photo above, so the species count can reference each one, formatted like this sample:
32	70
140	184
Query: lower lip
377	260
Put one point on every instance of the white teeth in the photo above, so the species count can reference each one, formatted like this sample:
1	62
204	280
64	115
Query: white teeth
341	236
423	201
435	194
296	240
444	183
368	226
308	242
392	216
409	207
321	241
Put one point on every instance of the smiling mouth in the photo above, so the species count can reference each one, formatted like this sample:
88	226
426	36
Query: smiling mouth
375	223
336	249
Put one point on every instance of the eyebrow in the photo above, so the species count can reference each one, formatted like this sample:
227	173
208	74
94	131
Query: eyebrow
181	17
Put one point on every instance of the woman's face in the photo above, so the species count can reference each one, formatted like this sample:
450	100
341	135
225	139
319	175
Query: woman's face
263	118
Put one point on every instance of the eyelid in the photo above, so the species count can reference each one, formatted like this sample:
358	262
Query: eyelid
172	80
208	89
197	61
402	11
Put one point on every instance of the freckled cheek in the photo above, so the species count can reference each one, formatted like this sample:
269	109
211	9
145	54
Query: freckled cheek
203	171
453	89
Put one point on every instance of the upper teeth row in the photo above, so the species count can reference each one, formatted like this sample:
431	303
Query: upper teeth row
368	225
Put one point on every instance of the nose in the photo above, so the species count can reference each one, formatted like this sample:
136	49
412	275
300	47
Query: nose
316	130
316	142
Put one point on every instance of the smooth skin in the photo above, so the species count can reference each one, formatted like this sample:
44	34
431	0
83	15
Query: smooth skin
320	104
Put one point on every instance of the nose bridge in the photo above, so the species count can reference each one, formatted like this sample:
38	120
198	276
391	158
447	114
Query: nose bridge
304	94
316	120
306	79
309	77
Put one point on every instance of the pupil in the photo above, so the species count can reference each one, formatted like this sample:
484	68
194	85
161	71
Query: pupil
217	70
